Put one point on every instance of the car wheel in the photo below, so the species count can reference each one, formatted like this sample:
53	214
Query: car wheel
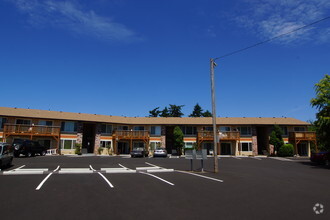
43	153
16	154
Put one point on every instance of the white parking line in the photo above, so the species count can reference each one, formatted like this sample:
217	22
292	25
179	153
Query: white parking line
124	167
172	184
206	177
92	168
44	180
106	180
152	164
15	169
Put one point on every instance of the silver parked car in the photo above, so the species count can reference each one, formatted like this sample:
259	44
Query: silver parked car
6	155
160	152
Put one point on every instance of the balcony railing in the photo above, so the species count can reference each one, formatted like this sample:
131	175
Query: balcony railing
125	134
17	129
227	135
303	135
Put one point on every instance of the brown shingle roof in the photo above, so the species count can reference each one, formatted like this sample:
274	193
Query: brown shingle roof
44	114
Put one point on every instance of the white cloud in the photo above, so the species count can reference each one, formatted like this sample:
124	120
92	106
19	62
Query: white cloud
270	18
70	16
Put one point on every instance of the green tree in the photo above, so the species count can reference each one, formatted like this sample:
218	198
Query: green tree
207	113
197	112
178	139
155	112
175	110
165	113
322	103
276	138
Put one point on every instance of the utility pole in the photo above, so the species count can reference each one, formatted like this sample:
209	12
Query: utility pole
215	136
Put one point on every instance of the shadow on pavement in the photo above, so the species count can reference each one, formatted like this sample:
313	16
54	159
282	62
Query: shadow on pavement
315	165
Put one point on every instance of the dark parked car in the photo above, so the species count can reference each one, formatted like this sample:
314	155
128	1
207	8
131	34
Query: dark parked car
160	152
28	148
139	152
6	155
321	157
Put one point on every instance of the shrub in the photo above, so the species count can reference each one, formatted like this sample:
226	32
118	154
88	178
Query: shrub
99	150
78	149
286	150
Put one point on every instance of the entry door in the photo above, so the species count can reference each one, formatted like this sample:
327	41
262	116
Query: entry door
225	148
208	146
302	149
123	148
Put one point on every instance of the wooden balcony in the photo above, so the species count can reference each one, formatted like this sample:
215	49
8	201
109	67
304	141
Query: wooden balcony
31	130
302	136
130	136
118	134
208	135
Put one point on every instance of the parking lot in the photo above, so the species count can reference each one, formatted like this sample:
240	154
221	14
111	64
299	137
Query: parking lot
95	187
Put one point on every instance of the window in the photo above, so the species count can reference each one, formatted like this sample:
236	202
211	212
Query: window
299	129
106	129
23	122
46	123
155	130
138	128
105	144
208	128
189	145
246	146
245	131
68	144
154	145
188	130
284	130
3	121
122	128
224	129
69	126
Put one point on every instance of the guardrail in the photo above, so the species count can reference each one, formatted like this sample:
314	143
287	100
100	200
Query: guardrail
31	129
303	135
227	135
131	134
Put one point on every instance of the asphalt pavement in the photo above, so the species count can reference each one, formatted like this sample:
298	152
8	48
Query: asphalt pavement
98	187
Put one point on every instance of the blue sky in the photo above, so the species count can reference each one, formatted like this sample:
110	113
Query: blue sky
125	57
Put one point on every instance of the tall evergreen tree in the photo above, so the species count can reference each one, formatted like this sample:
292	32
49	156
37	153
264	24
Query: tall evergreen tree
207	113
175	110
154	113
322	103
165	113
197	112
276	138
178	139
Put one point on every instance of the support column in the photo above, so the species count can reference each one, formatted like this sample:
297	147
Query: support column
309	149
97	142
254	141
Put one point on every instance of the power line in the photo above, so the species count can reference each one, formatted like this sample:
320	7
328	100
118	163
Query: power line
273	38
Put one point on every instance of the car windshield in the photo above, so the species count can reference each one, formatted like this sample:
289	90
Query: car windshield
138	149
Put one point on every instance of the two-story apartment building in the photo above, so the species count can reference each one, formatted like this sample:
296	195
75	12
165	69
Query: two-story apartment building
62	130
